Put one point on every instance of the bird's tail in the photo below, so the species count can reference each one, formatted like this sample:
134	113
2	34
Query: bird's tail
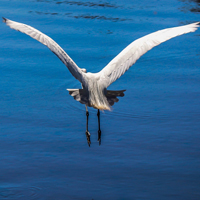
79	95
113	94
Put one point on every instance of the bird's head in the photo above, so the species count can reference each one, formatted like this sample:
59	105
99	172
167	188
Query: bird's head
84	70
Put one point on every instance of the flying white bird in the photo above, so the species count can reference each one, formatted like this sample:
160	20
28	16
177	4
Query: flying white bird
94	91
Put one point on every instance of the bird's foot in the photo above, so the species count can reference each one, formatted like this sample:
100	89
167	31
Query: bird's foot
88	137
99	136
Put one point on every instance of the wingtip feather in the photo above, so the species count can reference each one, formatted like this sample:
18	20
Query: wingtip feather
197	24
4	19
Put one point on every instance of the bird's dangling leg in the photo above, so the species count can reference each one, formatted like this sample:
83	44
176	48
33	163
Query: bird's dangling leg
99	130
87	132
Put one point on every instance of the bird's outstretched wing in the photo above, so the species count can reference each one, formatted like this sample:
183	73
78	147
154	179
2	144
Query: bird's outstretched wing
126	58
51	44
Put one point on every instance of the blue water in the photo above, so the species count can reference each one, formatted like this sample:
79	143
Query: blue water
150	141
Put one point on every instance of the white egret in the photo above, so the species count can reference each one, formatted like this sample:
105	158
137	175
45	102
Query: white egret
94	91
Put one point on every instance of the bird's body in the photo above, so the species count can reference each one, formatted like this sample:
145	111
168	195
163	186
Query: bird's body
95	94
94	91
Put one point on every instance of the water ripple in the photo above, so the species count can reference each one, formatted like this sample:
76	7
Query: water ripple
89	4
191	5
7	193
84	16
85	4
113	19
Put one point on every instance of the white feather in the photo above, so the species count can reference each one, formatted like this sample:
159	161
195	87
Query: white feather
126	58
51	44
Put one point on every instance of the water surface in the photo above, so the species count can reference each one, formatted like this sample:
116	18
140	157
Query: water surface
150	141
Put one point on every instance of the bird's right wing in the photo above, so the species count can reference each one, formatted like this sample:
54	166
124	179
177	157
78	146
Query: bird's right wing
51	44
126	58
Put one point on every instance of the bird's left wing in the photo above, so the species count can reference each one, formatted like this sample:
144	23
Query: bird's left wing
126	58
51	44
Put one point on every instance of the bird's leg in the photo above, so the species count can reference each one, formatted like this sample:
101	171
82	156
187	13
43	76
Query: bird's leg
87	132
99	131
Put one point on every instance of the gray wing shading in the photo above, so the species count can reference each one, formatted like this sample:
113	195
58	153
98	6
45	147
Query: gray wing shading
51	44
126	58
